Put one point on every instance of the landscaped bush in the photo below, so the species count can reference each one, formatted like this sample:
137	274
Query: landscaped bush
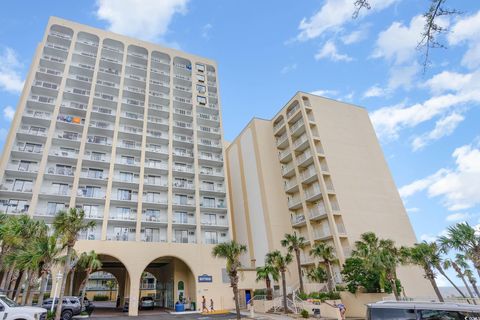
100	297
304	314
303	296
323	296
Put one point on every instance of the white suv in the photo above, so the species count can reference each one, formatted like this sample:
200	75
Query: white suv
10	310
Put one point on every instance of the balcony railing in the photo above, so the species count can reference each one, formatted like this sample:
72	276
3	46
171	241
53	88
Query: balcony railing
293	110
297	219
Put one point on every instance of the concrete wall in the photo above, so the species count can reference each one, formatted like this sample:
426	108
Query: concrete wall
356	303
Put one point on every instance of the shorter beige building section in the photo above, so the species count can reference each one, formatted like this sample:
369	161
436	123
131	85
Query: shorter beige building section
321	174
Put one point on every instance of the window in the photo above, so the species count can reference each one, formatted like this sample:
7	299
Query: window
124	194
70	135
98	139
32	147
60	188
95	173
153	180
124	234
91	192
128	160
26	165
152	215
91	211
209	218
448	315
152	197
201	88
391	314
181	199
126	176
148	235
155	163
200	78
208	185
208	202
123	213
181	236
54	207
37	131
16	206
211	237
98	156
23	185
200	67
201	100
63	170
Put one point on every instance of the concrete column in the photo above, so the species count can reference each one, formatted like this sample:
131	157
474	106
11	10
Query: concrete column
134	294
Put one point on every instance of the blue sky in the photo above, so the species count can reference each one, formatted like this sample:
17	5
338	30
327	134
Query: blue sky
267	50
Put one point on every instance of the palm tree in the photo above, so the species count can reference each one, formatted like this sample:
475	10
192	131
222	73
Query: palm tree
231	251
463	238
110	285
280	262
379	255
325	252
90	263
46	252
295	244
457	264
424	255
472	280
68	224
317	274
267	273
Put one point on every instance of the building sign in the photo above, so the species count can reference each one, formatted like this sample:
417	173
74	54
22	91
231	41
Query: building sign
205	278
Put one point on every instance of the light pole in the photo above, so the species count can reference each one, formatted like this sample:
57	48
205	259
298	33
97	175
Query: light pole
59	278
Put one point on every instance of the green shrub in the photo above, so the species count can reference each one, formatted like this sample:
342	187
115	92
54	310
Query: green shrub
304	314
100	297
303	296
339	287
50	315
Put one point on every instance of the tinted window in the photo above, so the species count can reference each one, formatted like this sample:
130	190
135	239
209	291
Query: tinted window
392	314
449	315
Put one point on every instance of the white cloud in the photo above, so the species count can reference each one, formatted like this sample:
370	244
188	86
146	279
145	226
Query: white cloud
145	19
448	81
457	187
459	216
388	121
443	127
374	91
329	51
9	113
325	93
333	15
206	31
355	36
398	43
412	210
402	76
10	77
467	30
428	238
289	68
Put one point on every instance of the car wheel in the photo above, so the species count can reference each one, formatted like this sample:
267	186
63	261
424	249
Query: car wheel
67	315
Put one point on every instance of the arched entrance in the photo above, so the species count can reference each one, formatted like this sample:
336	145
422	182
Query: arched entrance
175	282
108	287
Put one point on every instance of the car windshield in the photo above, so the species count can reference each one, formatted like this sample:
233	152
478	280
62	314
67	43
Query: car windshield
147	298
9	302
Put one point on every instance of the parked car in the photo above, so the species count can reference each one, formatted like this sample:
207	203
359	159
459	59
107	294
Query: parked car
70	307
10	310
411	310
146	303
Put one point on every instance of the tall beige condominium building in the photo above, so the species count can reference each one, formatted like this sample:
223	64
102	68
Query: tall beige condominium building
316	169
130	132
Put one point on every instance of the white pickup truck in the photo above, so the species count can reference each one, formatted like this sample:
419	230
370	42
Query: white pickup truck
10	310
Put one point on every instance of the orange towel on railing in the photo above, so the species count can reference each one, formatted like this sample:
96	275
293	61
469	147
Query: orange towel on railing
76	120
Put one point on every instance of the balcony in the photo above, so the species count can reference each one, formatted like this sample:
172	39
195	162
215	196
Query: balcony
297	127
298	220
38	114
212	173
69	172
306	259
216	222
341	229
309	175
293	111
56	191
321	234
301	143
209	143
20	167
209	117
285	155
318	211
183	169
183	185
212	188
155	218
181	153
183	220
212	157
94	175
313	192
91	193
304	159
123	216
282	141
291	186
294	203
213	205
279	125
288	170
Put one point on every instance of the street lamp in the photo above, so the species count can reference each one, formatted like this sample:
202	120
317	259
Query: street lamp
59	278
